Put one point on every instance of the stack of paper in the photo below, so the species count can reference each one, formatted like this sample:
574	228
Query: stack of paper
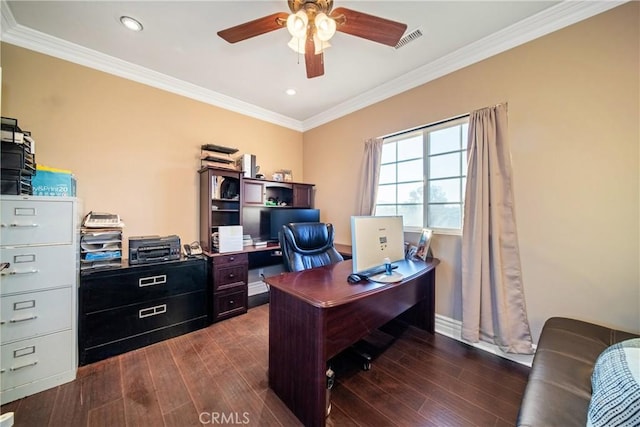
230	238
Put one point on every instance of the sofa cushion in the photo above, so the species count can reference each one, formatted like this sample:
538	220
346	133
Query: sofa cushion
616	386
558	391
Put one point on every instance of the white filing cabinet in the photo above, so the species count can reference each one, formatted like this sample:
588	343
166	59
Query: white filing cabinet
38	294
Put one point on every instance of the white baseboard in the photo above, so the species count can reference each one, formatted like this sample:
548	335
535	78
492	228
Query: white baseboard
453	329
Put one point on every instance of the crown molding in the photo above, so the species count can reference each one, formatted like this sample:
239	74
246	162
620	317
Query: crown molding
552	19
25	37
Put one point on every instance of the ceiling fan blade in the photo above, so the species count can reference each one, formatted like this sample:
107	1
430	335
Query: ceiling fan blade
313	62
254	28
368	27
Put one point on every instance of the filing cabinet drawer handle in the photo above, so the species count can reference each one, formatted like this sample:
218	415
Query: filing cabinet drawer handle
14	272
16	225
152	280
15	368
24	319
152	311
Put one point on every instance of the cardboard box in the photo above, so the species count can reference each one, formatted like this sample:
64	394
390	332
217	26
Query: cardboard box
53	182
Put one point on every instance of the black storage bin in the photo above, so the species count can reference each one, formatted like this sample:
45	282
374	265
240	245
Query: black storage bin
17	167
15	183
17	157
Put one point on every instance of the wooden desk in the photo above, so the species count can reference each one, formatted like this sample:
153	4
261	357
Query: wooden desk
314	314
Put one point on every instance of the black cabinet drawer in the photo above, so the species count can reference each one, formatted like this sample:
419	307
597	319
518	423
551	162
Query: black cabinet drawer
125	321
230	303
119	287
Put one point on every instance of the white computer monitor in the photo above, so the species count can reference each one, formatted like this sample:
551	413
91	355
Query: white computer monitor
374	238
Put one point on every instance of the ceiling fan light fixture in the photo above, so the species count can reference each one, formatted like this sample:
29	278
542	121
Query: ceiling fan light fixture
297	45
325	26
320	45
297	24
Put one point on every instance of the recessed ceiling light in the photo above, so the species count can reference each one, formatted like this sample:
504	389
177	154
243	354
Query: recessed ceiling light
131	23
290	92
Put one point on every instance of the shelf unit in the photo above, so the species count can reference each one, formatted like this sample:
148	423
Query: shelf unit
220	202
100	248
262	192
17	159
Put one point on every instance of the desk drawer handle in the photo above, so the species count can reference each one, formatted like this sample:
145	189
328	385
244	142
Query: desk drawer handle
15	368
152	280
16	225
232	258
14	272
152	311
23	319
231	275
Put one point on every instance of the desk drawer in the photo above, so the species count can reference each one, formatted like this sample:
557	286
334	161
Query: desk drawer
229	303
36	222
233	275
119	287
110	325
37	267
35	313
225	260
37	358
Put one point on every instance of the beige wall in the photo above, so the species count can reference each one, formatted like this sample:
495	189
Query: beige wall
134	149
573	124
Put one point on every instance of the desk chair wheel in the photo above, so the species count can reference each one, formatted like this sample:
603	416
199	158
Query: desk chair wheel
366	365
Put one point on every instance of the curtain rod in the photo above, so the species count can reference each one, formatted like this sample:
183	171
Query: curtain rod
424	126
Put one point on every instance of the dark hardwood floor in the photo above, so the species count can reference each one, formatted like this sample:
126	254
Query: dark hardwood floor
218	376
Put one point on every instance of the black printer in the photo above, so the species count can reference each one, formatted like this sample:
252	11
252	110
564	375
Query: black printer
145	249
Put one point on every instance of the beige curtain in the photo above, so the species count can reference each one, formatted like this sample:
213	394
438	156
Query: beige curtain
369	177
493	303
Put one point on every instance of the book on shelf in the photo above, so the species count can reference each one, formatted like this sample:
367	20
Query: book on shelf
257	243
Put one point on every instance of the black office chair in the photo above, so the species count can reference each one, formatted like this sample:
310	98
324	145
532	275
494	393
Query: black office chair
307	245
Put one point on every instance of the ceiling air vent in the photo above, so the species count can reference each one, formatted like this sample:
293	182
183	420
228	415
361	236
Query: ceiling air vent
415	34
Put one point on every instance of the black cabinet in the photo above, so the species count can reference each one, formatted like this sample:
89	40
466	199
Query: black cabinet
125	308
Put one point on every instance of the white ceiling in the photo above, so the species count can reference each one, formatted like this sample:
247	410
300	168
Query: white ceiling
179	50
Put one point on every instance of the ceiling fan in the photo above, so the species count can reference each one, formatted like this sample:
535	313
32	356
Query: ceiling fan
312	23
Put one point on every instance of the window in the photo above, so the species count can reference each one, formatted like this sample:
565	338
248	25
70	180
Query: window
423	176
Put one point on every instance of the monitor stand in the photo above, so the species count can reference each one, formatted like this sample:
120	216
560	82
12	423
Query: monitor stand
386	278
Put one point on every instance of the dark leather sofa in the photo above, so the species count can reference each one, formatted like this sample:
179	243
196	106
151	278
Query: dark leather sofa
559	388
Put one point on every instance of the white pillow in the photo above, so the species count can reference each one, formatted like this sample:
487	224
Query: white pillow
615	400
